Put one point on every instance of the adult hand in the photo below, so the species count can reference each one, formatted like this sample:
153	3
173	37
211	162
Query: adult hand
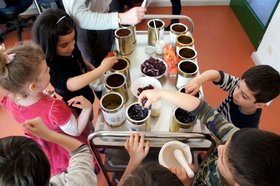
37	128
80	102
136	150
132	16
152	95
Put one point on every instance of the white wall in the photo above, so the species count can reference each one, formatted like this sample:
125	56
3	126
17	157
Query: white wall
155	3
191	2
268	51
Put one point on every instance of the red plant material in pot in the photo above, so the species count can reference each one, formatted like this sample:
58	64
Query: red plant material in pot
153	67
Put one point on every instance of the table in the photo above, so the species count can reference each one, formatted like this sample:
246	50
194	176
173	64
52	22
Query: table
162	122
116	158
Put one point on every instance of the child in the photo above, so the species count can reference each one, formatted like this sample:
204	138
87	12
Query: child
247	96
248	157
55	32
22	161
150	173
24	74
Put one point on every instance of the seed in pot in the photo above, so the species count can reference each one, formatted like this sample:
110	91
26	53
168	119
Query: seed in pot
184	116
140	89
111	105
136	112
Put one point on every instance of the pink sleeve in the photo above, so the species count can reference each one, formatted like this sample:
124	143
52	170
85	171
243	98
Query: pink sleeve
60	113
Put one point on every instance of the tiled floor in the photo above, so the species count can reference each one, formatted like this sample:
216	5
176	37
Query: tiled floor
221	44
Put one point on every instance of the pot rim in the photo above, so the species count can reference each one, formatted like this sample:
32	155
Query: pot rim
136	121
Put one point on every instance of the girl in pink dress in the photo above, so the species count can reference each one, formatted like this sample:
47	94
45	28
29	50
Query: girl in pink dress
24	74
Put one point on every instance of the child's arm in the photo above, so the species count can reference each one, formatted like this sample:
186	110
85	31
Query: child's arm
214	121
76	127
39	129
137	152
80	168
182	175
193	85
78	82
89	65
184	101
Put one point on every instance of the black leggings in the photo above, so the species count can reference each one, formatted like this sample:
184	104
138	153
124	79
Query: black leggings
176	7
95	44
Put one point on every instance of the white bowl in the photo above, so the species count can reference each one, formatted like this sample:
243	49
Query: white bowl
143	82
166	157
157	77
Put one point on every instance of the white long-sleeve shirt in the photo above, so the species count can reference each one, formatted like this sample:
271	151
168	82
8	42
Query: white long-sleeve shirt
80	171
92	14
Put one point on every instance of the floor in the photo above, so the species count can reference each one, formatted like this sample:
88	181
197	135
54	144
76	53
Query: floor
221	44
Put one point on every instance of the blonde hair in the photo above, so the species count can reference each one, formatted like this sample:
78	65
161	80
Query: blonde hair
22	69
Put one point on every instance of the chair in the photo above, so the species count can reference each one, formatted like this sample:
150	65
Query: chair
44	4
9	15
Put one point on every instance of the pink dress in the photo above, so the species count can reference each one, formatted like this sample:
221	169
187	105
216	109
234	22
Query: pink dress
54	113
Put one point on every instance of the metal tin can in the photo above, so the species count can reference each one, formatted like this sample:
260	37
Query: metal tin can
124	41
113	110
122	66
199	94
183	40
155	29
138	125
133	31
187	52
178	126
187	69
116	82
175	30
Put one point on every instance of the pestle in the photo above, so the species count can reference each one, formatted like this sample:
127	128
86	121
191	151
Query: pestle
179	156
143	5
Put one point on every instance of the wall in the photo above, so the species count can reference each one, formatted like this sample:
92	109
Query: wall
154	3
191	2
268	51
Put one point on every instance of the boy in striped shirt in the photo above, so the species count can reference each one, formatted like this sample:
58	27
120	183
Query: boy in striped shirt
247	96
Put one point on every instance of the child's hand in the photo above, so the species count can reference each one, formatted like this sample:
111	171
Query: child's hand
181	174
80	102
152	95
192	86
50	93
37	127
111	54
108	62
136	150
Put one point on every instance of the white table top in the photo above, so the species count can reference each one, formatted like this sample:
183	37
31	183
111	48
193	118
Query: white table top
164	120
